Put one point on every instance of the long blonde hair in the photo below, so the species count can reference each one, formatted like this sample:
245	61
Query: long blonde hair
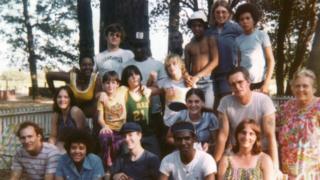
177	58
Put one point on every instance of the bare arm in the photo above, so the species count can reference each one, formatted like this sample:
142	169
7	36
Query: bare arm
270	67
222	136
56	76
98	87
169	137
187	58
53	135
268	123
15	174
79	117
163	177
267	168
222	168
105	129
49	177
209	177
214	58
58	178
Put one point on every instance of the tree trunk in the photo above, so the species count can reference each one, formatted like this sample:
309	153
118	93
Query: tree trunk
284	22
314	59
30	49
132	14
85	26
175	37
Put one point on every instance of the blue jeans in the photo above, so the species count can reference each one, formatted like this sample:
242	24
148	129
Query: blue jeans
206	85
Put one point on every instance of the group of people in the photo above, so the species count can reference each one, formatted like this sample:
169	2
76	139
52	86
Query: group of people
206	116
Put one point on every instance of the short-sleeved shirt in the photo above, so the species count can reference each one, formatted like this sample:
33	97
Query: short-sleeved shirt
146	167
207	124
146	67
259	106
175	91
114	110
253	58
37	166
92	168
112	60
201	166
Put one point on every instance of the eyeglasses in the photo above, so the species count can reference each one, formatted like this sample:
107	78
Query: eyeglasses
116	34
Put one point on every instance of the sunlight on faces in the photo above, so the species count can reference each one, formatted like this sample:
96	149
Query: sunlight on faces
246	137
30	140
303	89
110	86
221	15
63	99
173	67
132	139
78	152
246	22
86	66
239	85
194	104
134	81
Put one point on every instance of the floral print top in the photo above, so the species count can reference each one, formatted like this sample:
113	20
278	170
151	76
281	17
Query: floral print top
299	138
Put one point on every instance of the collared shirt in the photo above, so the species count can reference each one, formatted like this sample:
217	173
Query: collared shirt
92	168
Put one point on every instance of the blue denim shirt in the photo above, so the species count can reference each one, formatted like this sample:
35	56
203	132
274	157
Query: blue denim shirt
92	168
226	45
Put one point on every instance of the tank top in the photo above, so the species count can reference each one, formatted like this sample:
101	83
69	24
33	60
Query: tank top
138	111
243	173
64	127
86	94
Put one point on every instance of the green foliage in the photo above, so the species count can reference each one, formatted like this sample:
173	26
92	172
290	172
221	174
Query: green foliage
54	26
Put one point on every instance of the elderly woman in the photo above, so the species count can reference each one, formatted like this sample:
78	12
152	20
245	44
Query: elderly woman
248	160
79	163
298	126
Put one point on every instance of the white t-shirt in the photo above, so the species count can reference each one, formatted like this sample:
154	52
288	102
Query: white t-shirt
251	48
201	166
175	91
108	61
259	106
145	68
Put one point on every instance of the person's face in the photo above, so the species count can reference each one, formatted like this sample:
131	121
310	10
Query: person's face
77	152
30	140
194	104
197	28
239	85
246	22
114	39
86	66
302	89
140	52
247	137
184	141
174	69
134	81
63	99
110	86
132	139
221	15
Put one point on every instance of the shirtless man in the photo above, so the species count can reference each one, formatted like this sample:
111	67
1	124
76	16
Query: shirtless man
201	57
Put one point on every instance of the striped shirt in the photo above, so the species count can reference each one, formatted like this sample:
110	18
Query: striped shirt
37	166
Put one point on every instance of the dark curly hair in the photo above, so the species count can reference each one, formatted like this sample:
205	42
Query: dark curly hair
256	149
71	96
248	8
78	136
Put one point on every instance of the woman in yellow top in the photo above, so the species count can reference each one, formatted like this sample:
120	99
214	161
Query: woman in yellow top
84	83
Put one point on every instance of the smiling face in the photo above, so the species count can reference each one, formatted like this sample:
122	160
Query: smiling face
246	137
86	66
303	89
184	140
194	104
132	139
30	140
221	15
77	152
246	22
239	85
197	28
63	100
134	81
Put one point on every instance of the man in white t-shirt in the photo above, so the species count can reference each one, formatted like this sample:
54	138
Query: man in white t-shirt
245	104
187	163
114	56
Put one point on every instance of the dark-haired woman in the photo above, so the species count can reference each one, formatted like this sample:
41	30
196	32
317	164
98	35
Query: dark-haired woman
247	161
78	162
66	116
84	83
